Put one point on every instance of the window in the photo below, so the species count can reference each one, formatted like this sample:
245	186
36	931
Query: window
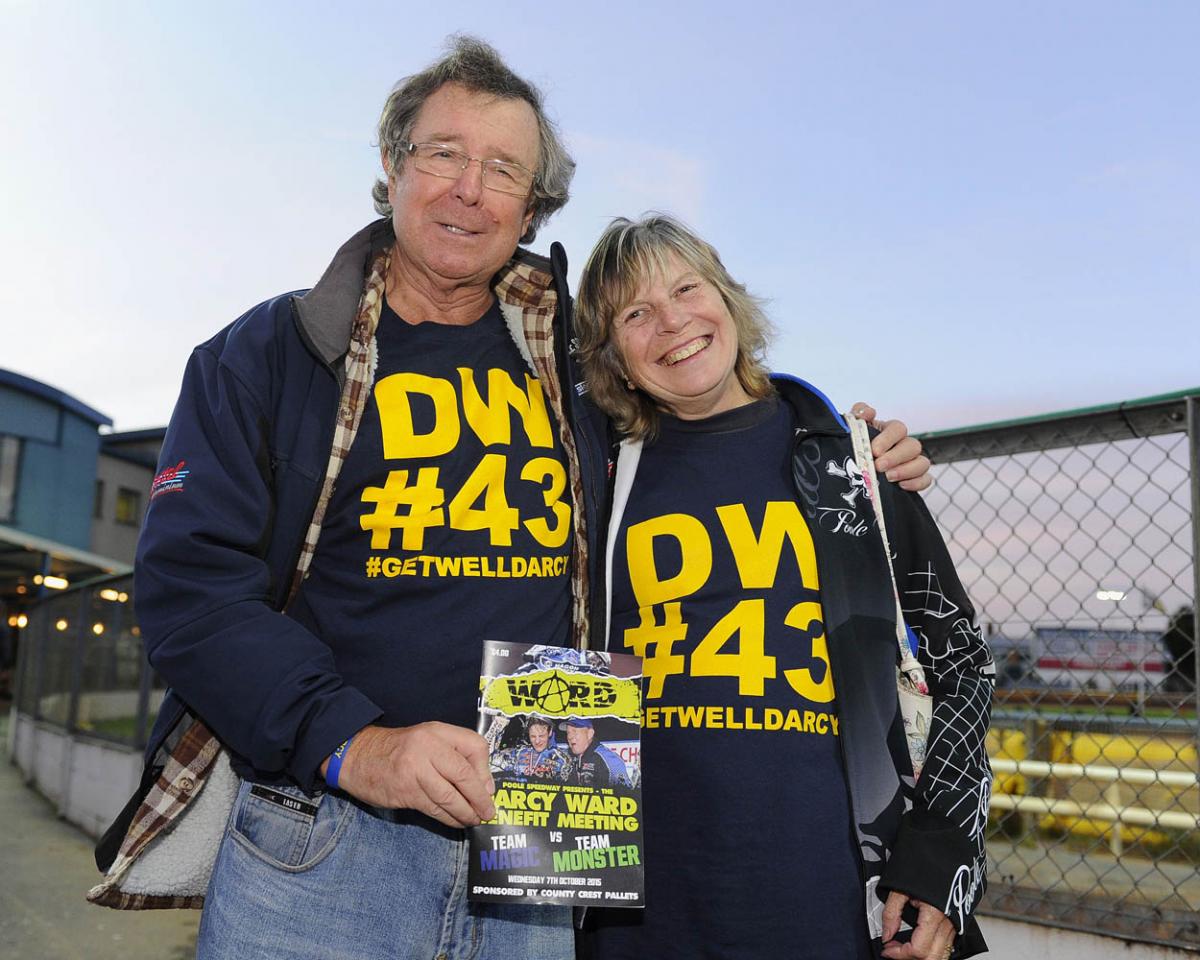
129	507
10	459
98	502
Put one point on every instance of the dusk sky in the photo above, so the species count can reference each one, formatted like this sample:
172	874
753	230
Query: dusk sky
960	212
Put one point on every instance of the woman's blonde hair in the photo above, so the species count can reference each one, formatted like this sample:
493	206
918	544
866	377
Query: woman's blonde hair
627	254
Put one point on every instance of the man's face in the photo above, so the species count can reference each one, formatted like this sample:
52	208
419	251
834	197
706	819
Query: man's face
539	736
579	739
458	232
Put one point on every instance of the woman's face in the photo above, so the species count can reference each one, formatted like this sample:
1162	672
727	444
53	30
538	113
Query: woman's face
678	343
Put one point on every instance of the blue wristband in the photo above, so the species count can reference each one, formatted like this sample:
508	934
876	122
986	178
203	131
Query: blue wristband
334	770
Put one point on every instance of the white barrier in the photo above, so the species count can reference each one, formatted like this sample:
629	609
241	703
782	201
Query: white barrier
1114	810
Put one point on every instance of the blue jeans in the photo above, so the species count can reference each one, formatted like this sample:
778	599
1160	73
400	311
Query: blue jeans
322	878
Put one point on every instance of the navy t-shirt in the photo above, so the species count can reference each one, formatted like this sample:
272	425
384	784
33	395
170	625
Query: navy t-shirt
748	838
450	523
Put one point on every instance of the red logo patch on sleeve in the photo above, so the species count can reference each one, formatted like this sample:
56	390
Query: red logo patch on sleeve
169	480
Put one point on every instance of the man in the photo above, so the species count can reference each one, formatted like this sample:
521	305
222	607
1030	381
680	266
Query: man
329	633
592	765
542	759
1180	642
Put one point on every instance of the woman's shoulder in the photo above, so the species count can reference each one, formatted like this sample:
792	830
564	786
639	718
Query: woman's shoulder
812	408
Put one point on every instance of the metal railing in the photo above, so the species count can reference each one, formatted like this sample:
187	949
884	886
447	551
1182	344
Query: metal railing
1113	809
1076	535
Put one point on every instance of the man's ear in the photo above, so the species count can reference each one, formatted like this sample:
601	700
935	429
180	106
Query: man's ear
386	162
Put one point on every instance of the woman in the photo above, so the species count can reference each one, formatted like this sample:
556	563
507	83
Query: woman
781	815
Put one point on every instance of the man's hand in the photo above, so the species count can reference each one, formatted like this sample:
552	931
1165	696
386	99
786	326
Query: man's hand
436	768
932	938
897	455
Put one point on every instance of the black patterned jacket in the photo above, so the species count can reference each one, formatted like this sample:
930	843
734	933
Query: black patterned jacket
925	839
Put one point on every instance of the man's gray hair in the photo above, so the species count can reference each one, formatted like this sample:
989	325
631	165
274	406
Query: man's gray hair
478	67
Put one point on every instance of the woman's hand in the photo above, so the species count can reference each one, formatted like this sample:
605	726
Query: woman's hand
932	938
897	455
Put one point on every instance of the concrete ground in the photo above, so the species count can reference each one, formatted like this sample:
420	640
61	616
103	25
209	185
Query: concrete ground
46	868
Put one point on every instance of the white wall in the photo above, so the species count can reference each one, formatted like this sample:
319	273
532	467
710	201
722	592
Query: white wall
1027	941
89	781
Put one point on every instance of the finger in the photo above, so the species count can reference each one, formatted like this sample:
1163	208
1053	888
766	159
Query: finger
929	925
933	932
891	913
471	784
470	745
440	800
864	411
891	432
467	742
916	486
473	747
940	947
893	446
913	468
943	945
906	951
900	951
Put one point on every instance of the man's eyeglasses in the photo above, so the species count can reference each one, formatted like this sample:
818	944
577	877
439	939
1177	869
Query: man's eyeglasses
440	160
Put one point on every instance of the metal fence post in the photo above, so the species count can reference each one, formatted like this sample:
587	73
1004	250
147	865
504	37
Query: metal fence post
72	718
38	664
1193	430
145	684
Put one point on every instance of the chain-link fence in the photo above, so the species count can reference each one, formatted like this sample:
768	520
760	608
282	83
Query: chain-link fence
81	667
1076	537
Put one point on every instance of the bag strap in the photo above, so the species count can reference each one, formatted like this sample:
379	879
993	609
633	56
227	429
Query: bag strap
861	440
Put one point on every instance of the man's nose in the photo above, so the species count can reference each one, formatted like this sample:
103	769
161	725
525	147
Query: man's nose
469	185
